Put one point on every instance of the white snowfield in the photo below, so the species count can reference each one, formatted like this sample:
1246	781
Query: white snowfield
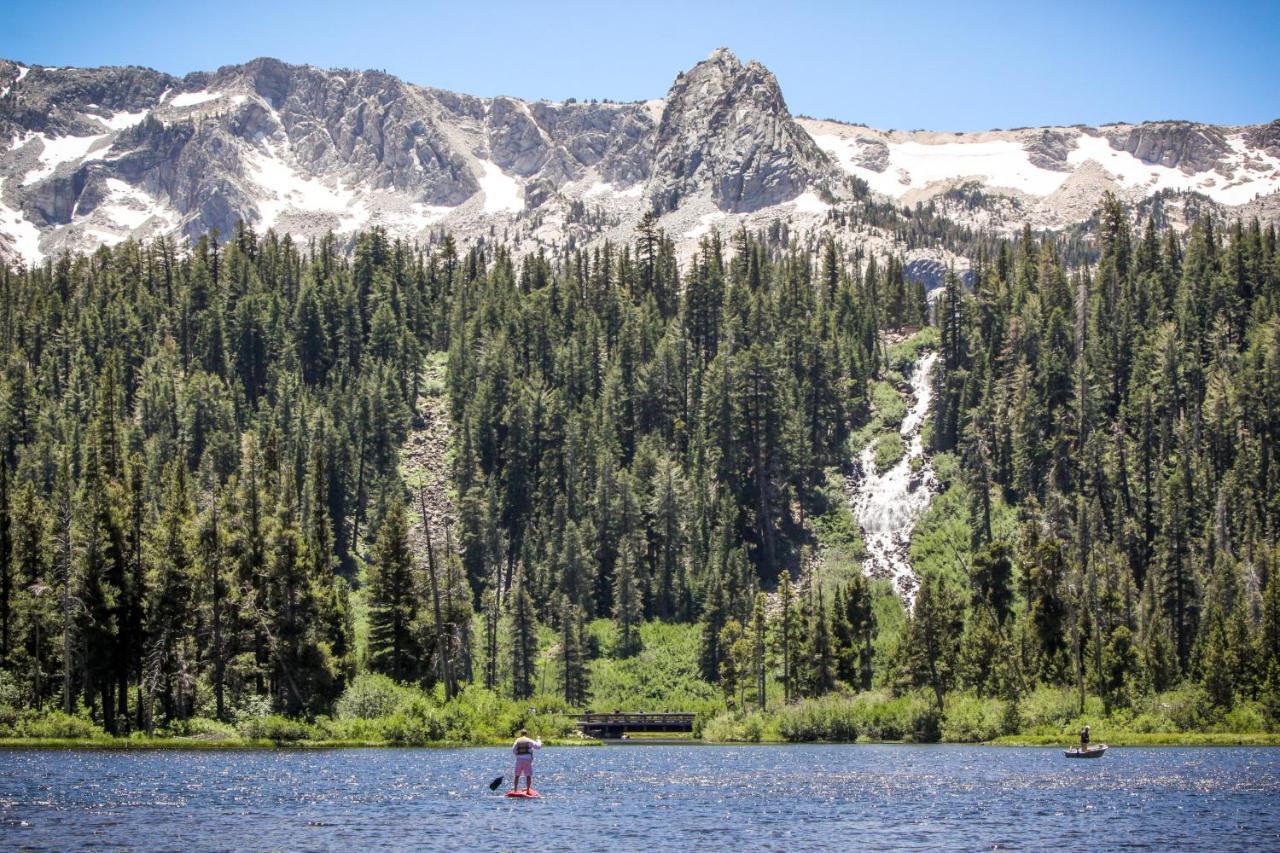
122	120
54	151
604	189
191	99
283	189
809	202
501	191
1004	163
23	236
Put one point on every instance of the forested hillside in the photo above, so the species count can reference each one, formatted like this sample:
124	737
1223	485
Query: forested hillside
204	511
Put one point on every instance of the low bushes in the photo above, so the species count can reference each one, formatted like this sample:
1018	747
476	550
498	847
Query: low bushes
277	729
889	450
56	725
836	718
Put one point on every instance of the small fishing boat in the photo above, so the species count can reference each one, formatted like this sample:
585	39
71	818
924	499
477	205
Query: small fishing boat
1091	752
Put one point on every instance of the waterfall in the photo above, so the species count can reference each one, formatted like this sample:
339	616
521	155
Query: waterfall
888	504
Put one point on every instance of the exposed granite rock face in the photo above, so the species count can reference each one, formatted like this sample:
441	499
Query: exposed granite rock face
1048	149
1177	144
1265	137
88	154
66	101
614	139
873	153
726	130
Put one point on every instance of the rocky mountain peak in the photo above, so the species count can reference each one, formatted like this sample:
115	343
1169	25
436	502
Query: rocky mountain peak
726	131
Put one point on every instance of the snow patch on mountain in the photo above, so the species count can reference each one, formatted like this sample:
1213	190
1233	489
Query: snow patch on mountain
58	150
809	202
123	120
191	99
1259	172
605	189
23	235
915	165
501	191
127	206
286	190
907	165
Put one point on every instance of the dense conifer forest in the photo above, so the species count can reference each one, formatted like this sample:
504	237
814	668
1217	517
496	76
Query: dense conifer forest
207	511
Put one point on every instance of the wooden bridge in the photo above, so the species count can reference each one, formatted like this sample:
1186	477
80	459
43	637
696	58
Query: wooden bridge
615	725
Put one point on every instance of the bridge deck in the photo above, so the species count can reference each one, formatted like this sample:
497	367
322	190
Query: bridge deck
615	725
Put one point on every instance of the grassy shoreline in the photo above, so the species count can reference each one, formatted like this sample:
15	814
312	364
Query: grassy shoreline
136	743
189	743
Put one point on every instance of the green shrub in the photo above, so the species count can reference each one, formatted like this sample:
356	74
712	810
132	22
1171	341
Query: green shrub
889	450
741	728
889	406
926	723
1187	706
969	719
829	718
370	696
664	676
832	518
10	703
203	727
56	724
1048	710
415	722
902	356
1151	723
1244	717
276	728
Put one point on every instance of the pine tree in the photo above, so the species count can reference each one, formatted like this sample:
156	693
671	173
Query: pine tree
933	638
394	648
823	661
171	581
573	669
628	606
785	633
524	644
758	651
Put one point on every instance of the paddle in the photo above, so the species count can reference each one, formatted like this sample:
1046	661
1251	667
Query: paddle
493	786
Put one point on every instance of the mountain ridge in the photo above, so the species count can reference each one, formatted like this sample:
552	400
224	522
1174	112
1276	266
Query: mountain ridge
94	156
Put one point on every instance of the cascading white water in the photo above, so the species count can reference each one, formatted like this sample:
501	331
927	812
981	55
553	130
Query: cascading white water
887	504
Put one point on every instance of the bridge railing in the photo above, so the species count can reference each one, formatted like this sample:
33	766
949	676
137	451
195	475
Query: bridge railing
635	718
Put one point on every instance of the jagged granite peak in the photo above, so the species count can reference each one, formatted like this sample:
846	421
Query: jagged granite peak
726	130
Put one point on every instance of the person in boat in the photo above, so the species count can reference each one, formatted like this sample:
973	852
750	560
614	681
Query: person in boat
1084	739
523	749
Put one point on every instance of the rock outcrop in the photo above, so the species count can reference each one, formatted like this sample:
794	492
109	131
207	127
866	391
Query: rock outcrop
1177	144
726	131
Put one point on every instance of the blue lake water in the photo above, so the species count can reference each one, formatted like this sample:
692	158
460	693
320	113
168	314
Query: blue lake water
643	798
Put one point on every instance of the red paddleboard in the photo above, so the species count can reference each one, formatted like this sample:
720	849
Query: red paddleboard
523	795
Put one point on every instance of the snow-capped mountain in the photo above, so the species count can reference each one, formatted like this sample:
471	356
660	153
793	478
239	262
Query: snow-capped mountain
1055	176
95	156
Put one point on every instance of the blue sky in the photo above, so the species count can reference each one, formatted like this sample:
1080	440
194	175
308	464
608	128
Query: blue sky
912	64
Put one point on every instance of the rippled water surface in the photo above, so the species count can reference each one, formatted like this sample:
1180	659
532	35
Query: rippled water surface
638	797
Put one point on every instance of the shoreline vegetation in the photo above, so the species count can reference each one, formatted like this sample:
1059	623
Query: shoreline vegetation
374	492
376	712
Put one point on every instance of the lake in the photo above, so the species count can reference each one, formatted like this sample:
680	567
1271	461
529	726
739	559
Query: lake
643	797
